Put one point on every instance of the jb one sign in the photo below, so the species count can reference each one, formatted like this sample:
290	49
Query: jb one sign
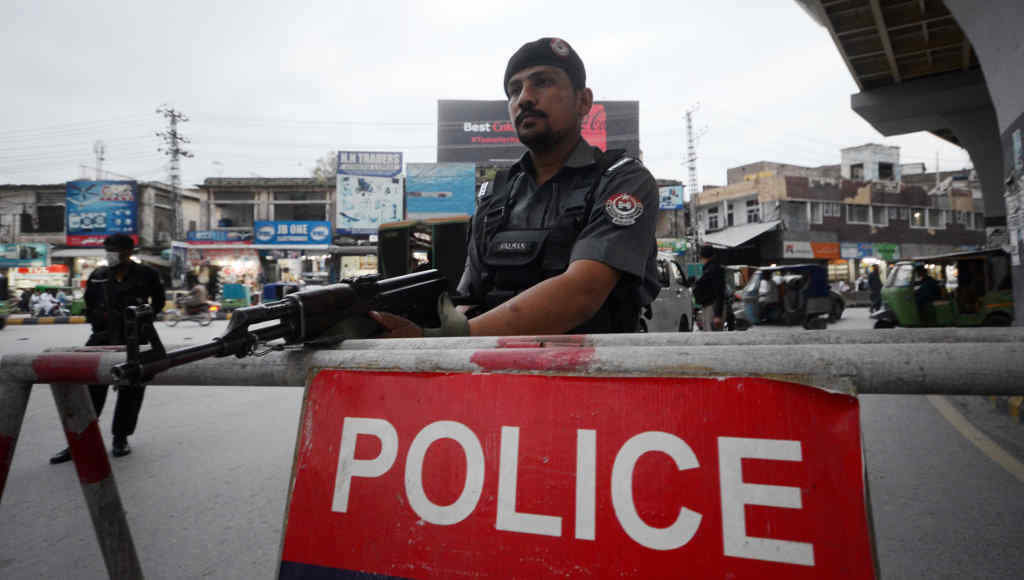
492	475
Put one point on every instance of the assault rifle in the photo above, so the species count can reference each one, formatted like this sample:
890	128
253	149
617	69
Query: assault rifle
300	318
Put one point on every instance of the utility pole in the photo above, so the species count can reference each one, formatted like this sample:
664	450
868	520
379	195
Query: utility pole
99	149
691	166
172	147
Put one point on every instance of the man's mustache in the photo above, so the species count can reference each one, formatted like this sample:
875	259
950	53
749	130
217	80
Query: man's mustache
529	113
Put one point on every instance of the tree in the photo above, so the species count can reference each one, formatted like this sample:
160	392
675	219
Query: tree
326	168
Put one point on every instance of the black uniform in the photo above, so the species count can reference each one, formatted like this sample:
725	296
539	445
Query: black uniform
599	206
105	302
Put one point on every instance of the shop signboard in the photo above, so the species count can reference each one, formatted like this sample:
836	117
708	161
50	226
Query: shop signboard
480	131
409	475
855	251
369	189
671	197
825	250
292	232
885	251
673	245
29	276
24	254
440	189
215	236
795	249
97	209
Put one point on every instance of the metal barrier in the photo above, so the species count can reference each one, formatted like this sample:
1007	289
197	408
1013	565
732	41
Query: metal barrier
898	361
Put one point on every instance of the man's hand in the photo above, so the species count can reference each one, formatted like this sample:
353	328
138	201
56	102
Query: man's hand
397	327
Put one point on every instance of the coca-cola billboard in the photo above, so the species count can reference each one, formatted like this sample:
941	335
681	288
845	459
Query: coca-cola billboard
480	131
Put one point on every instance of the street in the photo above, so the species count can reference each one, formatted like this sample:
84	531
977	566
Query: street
206	484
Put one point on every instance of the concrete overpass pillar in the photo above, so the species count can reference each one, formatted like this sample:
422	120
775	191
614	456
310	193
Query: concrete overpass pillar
995	28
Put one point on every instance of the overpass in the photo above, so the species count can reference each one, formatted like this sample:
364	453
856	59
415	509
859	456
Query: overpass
951	67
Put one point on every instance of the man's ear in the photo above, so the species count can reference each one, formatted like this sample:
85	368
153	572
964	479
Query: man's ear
584	101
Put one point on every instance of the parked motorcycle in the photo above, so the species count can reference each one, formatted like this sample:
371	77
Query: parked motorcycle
185	310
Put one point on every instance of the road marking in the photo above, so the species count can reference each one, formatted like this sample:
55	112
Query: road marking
976	437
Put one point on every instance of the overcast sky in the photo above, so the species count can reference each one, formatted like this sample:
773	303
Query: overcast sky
270	87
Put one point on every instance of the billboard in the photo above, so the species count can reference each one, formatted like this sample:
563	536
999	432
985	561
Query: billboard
489	475
13	255
96	209
370	191
440	189
671	197
480	131
291	232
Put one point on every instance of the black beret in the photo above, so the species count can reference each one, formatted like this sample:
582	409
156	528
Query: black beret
550	52
119	242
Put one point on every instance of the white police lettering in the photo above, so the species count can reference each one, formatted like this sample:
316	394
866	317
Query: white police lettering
623	209
483	189
735	494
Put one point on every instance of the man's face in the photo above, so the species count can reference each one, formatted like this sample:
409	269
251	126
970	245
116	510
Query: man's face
544	107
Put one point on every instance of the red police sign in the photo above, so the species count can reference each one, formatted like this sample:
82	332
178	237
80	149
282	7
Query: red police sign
419	475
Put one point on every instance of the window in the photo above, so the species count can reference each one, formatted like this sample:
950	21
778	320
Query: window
894	213
830	209
858	214
49	219
728	215
879	216
857	172
936	219
903	276
663	273
753	211
713	218
979	221
917	217
904	213
814	210
885	171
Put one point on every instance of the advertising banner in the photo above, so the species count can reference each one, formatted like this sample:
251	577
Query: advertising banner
422	475
215	236
365	202
887	252
291	232
671	197
480	131
370	163
440	189
825	250
97	209
12	255
797	249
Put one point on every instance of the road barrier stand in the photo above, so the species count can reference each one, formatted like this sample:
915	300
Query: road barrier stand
654	455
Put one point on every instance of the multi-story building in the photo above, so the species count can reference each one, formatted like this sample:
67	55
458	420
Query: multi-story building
777	213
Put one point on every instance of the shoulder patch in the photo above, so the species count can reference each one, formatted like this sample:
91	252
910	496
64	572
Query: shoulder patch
623	209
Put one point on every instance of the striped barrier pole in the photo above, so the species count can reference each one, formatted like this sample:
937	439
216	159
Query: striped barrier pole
13	402
97	480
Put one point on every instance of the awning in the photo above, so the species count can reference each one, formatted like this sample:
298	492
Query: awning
79	253
739	235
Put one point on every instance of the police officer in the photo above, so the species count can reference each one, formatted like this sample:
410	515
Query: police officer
110	290
564	240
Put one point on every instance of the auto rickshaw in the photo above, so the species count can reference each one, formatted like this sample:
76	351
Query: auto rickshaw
234	296
795	294
976	289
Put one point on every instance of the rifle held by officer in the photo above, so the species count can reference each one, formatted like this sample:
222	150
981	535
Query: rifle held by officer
302	317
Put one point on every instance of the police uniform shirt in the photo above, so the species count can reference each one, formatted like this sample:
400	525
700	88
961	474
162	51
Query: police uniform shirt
620	229
141	285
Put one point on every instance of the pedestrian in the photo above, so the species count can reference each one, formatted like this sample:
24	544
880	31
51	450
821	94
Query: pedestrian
563	241
875	288
709	291
110	290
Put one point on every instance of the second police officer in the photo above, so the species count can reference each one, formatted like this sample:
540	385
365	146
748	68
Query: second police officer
563	241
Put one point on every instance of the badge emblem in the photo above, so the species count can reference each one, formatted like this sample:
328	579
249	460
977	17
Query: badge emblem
623	209
560	47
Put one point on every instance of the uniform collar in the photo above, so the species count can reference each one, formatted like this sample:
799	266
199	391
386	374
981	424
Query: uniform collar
583	155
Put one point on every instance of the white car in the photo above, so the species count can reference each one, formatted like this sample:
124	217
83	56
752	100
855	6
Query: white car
672	310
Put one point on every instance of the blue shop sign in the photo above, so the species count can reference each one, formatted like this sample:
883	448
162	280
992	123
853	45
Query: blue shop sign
307	232
215	236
